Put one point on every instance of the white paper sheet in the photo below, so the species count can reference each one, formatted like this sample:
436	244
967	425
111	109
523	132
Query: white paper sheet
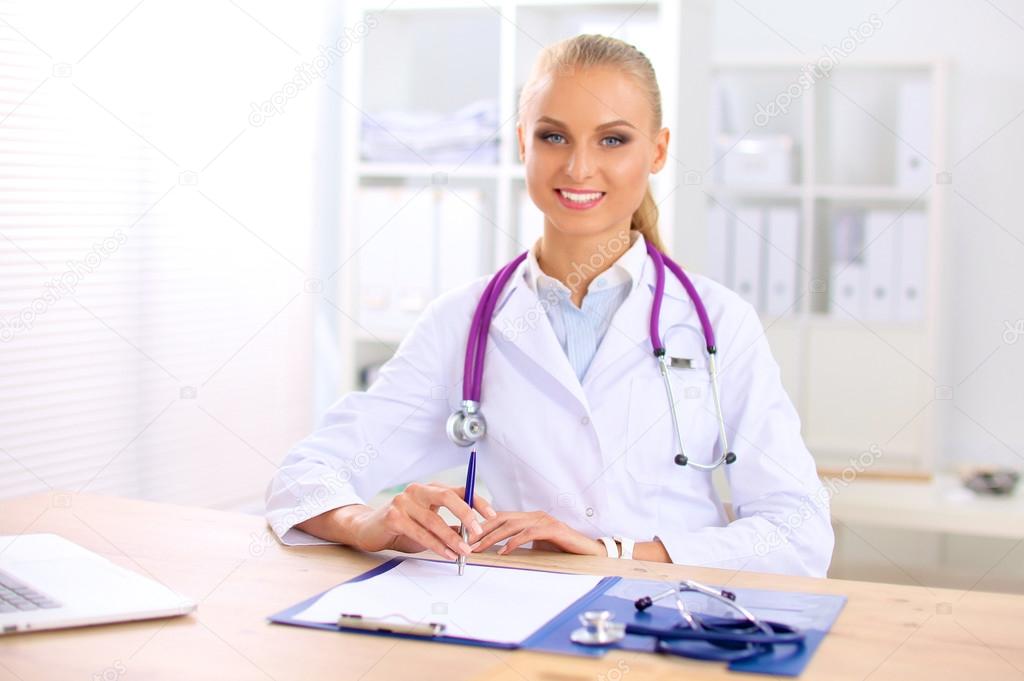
486	603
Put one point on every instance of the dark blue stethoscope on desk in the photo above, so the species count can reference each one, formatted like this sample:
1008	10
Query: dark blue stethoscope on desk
467	425
703	637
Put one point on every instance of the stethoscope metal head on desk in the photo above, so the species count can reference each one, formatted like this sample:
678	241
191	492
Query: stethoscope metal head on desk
698	635
467	425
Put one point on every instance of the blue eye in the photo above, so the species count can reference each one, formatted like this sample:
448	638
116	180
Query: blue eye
620	141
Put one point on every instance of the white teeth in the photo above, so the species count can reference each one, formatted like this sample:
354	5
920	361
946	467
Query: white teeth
580	198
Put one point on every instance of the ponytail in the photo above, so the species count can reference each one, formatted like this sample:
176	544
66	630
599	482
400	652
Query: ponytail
645	220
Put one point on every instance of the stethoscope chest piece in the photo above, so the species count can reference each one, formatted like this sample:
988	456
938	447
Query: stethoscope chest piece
598	629
467	425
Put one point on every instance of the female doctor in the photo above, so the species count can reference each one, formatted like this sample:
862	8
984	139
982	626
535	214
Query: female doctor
581	452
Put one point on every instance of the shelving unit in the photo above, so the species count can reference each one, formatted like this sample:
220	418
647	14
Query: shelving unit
855	382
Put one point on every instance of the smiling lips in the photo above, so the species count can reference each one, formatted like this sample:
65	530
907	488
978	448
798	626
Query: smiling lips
580	199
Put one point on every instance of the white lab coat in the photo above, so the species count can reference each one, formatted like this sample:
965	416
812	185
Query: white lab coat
597	455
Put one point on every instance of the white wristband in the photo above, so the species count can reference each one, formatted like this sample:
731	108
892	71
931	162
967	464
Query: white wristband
627	547
609	546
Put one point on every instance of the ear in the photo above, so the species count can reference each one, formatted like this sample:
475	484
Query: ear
522	141
660	150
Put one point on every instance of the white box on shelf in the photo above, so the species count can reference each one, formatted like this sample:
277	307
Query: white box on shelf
912	274
913	169
394	257
459	246
720	245
880	230
413	256
783	244
848	274
762	161
374	286
747	254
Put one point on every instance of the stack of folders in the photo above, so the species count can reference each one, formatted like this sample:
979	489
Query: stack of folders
754	250
879	260
412	245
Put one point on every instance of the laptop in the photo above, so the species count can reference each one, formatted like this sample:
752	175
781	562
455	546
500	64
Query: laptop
48	582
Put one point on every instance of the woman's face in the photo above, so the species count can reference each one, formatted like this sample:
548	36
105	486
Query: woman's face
588	133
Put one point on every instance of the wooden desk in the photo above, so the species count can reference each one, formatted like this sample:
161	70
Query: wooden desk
238	572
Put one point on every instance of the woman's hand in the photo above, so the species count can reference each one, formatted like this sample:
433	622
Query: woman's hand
537	526
410	522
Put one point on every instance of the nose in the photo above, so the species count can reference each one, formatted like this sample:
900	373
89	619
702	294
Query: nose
580	165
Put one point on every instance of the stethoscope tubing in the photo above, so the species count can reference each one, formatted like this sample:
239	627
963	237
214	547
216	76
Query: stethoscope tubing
784	635
691	290
473	370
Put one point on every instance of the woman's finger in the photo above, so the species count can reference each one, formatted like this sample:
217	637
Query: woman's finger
490	527
433	496
527	535
417	533
479	503
433	523
509	528
460	509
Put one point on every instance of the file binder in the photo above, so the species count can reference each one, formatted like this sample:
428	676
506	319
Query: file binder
880	230
849	278
783	256
913	169
748	232
720	245
913	260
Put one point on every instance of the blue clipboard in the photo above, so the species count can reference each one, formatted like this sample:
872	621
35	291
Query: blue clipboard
813	613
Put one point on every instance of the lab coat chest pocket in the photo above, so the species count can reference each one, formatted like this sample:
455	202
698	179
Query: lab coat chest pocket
651	438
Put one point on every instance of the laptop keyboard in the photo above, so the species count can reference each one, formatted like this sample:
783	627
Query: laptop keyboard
16	595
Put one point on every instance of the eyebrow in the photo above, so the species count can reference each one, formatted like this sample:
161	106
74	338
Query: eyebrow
609	124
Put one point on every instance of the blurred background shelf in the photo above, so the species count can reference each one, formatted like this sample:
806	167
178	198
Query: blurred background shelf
826	209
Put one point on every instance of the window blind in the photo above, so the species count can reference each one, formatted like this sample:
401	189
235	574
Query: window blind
156	293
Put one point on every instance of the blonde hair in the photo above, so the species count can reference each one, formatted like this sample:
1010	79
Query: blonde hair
591	50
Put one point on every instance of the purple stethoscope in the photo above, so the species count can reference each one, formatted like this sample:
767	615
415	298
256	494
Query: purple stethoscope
467	425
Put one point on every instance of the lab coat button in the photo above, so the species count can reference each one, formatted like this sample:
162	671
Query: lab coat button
585	420
590	511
